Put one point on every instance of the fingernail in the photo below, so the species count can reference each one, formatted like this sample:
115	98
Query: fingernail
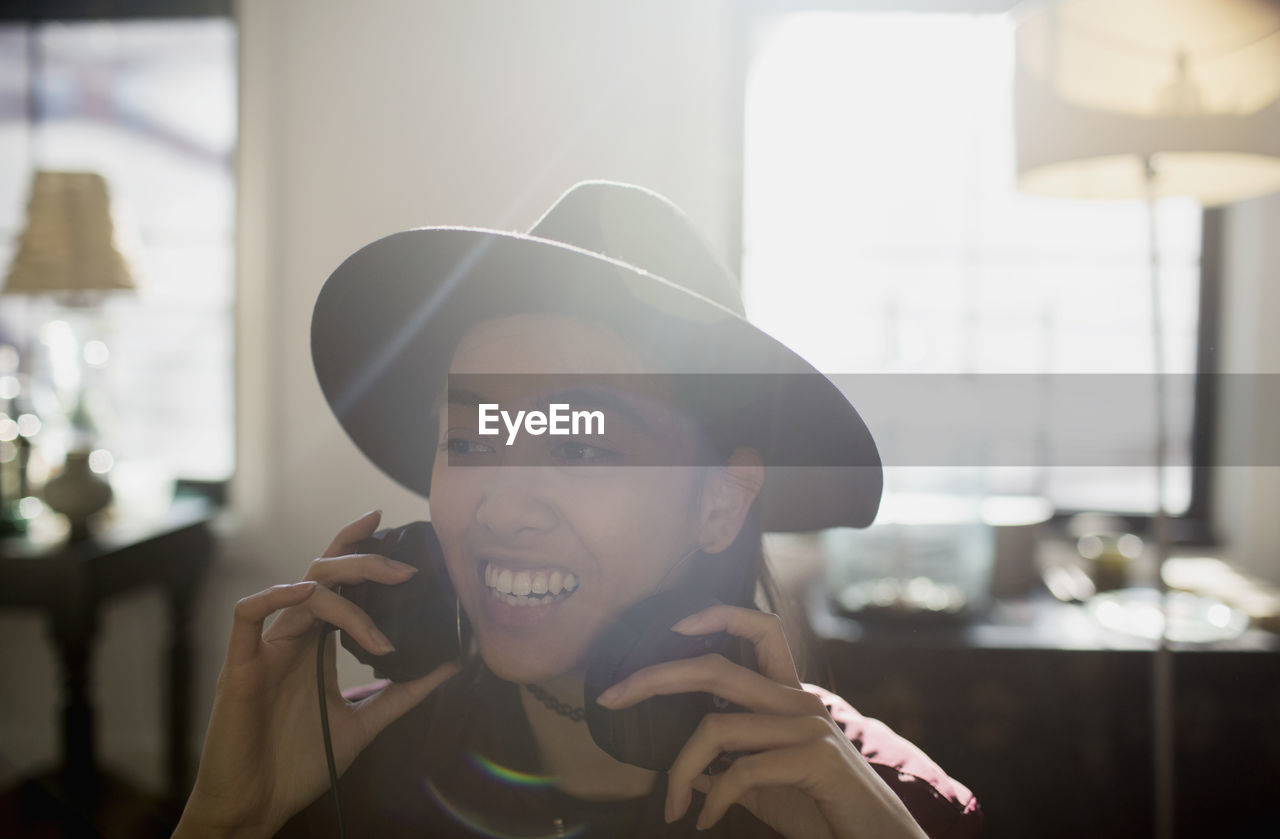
384	645
688	625
307	585
611	695
376	512
402	567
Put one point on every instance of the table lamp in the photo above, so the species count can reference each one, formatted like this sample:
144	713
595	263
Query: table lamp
1147	99
67	252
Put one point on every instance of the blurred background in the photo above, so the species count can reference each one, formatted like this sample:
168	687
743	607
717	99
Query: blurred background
929	199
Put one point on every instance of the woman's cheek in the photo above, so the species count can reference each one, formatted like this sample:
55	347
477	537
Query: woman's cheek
645	518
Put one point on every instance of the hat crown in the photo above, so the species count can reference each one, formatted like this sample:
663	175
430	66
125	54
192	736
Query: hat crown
643	229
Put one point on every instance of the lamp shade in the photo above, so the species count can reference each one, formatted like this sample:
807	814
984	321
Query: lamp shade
68	244
1192	87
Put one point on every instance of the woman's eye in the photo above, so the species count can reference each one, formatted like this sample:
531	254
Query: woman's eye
575	452
462	446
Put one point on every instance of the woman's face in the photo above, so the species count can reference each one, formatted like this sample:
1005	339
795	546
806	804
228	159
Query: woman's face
545	551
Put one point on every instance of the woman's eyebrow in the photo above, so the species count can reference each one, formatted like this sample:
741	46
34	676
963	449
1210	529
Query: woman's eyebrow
462	396
606	399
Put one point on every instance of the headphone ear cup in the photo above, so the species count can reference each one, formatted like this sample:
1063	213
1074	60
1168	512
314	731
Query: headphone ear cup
420	616
651	733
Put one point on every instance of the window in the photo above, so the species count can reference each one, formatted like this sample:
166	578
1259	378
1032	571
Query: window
151	106
883	234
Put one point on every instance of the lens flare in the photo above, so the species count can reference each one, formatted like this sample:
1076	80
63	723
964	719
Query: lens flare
510	776
101	461
28	425
482	825
96	354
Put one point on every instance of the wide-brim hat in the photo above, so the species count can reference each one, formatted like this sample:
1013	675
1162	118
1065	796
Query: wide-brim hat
388	318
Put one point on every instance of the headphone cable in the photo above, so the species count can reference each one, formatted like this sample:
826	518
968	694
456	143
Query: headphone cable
324	727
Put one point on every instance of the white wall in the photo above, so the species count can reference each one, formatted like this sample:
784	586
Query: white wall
362	119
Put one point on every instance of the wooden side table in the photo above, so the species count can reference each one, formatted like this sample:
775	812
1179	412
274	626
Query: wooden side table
69	583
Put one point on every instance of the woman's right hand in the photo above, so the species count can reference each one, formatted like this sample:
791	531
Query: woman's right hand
263	757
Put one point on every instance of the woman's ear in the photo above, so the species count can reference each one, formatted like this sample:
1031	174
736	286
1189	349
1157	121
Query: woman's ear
727	495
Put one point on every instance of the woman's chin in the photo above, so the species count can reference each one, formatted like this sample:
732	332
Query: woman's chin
525	666
527	644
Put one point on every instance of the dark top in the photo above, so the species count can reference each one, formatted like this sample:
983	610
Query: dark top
463	764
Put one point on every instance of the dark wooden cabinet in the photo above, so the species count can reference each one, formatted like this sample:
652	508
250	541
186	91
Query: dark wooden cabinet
1051	727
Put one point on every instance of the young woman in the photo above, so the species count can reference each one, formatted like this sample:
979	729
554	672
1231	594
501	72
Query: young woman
711	432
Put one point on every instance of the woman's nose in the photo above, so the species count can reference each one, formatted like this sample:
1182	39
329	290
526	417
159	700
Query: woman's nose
514	502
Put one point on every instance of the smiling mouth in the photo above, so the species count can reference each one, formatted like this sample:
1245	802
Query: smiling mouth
526	587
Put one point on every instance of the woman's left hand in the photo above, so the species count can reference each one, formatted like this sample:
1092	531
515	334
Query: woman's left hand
802	776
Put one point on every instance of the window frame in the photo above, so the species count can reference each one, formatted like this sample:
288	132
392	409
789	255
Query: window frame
60	11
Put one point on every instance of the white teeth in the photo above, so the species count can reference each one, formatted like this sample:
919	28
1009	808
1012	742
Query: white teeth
528	588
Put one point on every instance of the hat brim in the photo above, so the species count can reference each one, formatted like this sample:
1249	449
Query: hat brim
387	320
